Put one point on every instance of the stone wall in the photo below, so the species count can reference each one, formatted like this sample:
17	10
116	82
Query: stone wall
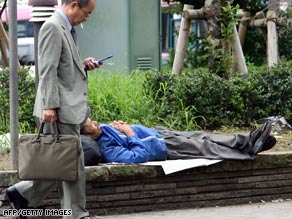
116	189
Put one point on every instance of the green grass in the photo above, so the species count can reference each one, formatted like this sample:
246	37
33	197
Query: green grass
119	97
122	96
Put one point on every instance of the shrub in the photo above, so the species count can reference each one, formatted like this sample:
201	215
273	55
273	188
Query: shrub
206	97
127	97
196	99
285	37
213	101
276	91
26	97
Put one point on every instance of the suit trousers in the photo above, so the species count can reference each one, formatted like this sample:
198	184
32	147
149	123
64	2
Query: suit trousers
198	144
72	194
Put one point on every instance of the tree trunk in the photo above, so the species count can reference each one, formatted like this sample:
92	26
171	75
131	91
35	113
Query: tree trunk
213	10
272	44
182	43
243	27
239	64
4	45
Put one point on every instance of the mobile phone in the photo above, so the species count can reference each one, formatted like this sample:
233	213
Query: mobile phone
100	61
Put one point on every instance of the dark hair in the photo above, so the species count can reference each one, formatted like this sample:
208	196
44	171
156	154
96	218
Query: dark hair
82	130
81	3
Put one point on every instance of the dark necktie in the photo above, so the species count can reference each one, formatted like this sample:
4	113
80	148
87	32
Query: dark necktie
74	35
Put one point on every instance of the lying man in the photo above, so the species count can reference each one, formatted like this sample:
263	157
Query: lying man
124	143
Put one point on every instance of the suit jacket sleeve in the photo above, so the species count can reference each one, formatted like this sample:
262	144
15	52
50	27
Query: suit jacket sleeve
50	41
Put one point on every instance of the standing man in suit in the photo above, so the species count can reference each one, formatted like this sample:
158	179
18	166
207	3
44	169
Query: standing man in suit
62	98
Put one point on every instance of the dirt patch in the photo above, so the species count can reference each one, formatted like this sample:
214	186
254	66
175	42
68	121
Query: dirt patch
284	142
5	161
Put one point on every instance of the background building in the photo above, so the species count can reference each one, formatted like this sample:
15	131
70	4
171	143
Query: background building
130	30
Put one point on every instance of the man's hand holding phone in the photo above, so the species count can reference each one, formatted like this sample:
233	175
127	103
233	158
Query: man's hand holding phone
92	64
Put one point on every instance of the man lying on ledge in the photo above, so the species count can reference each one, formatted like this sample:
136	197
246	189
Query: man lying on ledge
124	143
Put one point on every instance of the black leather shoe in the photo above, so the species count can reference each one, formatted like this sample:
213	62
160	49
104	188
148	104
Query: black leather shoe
269	143
16	200
260	136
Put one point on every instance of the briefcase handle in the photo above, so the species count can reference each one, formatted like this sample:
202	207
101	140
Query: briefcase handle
56	132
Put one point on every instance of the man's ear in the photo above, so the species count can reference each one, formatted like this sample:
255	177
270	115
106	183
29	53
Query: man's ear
74	5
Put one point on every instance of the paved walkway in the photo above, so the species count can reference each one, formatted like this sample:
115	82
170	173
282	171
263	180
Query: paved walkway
267	210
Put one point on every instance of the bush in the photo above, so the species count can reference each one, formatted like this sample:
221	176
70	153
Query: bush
196	99
127	97
26	96
212	101
206	97
276	91
285	37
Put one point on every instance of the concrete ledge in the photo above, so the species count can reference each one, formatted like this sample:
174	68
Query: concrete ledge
116	189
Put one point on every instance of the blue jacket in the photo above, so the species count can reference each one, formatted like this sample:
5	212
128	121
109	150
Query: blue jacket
146	145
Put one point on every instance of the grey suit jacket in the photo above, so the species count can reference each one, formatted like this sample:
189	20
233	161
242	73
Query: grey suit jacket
63	82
